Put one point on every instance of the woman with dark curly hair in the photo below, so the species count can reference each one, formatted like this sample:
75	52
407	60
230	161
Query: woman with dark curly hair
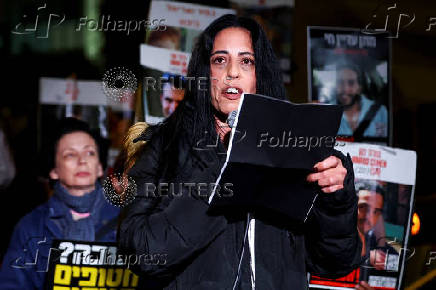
235	250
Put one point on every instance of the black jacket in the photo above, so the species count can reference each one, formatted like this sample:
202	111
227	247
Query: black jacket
198	250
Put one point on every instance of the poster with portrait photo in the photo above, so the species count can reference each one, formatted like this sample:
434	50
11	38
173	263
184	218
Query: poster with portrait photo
166	52
352	67
85	100
384	182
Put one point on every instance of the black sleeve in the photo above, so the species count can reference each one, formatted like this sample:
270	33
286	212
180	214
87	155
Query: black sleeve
333	246
172	229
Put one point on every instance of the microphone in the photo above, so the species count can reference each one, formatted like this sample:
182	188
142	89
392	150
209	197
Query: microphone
231	118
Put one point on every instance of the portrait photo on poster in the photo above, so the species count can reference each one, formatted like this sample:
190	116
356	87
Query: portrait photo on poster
351	68
162	93
165	55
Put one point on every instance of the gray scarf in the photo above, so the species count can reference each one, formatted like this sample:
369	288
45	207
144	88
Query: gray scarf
82	229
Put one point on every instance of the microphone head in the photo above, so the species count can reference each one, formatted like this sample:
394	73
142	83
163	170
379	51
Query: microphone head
231	118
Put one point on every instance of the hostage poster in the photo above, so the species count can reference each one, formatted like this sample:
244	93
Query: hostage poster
352	68
166	52
93	265
384	182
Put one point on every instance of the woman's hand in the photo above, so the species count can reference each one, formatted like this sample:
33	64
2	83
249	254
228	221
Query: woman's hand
377	258
330	174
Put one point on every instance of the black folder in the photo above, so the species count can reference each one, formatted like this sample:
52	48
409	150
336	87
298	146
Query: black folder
274	145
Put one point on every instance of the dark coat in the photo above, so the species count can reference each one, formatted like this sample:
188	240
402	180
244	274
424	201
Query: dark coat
203	251
32	239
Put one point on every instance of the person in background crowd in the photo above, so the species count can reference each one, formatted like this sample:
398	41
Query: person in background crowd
77	210
7	166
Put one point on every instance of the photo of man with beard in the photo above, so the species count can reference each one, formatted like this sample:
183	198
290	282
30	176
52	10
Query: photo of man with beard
362	115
